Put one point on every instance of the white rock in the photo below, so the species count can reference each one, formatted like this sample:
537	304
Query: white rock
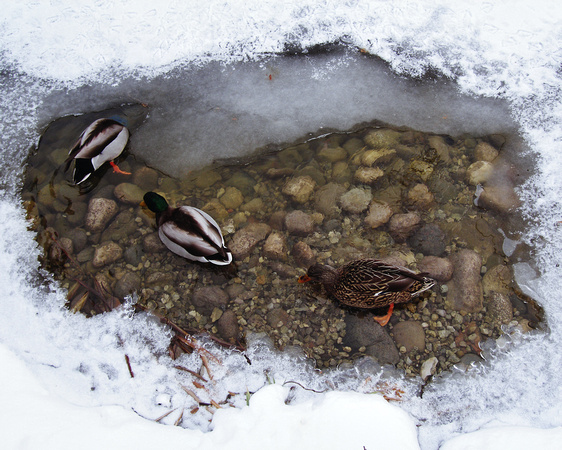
479	172
428	368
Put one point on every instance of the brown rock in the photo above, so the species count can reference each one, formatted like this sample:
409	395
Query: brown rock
146	178
368	175
151	243
128	193
124	225
227	326
303	254
382	138
341	172
409	334
246	239
100	212
67	245
216	210
207	178
421	169
465	288
104	282
254	206
159	278
299	223
127	284
300	188
485	152
274	172
401	226
429	240
58	254
440	146
479	172
282	269
500	310
440	269
207	298
277	317
232	198
379	214
79	239
107	253
420	196
238	293
277	220
379	156
332	154
356	200
497	279
365	332
327	198
275	246
502	198
76	212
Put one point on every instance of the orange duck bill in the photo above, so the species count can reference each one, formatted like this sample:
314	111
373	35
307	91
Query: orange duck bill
304	278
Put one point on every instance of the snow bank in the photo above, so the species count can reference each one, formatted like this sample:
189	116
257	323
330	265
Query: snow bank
68	57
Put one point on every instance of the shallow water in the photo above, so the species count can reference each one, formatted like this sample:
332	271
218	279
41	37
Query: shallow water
357	182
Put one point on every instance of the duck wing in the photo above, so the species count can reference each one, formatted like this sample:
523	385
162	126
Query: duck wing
96	137
194	235
377	277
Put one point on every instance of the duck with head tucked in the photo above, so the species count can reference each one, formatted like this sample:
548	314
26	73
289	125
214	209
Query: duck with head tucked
369	284
189	232
102	141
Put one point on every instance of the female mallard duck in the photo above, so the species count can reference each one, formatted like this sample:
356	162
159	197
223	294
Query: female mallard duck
188	231
102	141
369	283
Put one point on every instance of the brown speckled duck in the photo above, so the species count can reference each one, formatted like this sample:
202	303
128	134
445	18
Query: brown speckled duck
369	283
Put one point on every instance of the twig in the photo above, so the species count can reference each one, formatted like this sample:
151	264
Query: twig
198	385
215	404
206	364
129	366
165	415
80	303
306	389
195	374
194	396
185	347
57	243
181	337
179	419
195	345
224	343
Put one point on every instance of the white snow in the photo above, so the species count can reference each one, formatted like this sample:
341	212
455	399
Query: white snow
64	381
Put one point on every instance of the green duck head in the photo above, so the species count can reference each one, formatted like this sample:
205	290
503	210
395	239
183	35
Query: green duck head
156	203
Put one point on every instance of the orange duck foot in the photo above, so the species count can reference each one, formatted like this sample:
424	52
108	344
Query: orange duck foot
117	169
383	320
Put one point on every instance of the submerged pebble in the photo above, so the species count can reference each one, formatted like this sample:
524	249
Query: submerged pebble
401	196
465	288
100	212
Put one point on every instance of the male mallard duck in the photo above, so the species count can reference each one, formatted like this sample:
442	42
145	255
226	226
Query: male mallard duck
188	231
102	141
369	283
